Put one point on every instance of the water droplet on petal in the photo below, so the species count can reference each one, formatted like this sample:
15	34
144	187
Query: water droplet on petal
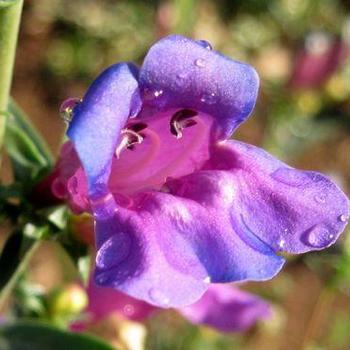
343	218
113	251
209	98
158	297
67	107
199	62
158	93
205	44
150	95
320	198
318	237
281	243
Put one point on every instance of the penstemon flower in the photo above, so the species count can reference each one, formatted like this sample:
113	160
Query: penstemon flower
177	205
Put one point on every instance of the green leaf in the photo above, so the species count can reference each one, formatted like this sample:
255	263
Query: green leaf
29	154
38	336
12	255
13	262
23	122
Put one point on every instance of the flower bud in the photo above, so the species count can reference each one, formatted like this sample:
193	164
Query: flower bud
69	300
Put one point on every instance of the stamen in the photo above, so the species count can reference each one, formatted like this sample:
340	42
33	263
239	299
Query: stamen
180	120
129	139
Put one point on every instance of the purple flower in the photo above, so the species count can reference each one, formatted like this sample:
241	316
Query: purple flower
227	309
318	60
223	307
176	205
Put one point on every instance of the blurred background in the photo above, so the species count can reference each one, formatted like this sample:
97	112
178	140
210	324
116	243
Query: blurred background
301	50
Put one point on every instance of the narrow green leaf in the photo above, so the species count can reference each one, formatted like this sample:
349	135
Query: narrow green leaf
13	261
39	336
23	122
30	157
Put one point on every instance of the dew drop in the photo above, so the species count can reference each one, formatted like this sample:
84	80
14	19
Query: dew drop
318	237
67	107
281	243
319	198
205	44
113	251
343	218
209	98
158	297
150	95
199	62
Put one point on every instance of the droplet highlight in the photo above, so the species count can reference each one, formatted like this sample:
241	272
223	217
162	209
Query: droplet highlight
150	95
209	98
318	237
200	62
281	243
67	108
205	44
320	198
207	280
113	251
343	218
158	297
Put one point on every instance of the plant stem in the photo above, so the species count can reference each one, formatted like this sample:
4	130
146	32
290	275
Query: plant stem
10	16
6	291
319	314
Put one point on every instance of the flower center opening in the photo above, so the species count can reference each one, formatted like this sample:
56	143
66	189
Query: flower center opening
170	144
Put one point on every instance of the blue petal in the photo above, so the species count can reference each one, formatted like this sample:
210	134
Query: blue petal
98	120
179	72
